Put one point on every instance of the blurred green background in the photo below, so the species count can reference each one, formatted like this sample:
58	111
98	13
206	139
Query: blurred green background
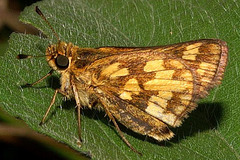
9	20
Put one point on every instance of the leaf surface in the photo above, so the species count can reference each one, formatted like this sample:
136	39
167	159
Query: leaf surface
210	132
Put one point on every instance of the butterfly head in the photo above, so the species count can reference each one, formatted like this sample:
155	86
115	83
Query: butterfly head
59	55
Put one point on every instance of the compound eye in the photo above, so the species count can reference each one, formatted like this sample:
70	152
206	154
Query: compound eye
62	62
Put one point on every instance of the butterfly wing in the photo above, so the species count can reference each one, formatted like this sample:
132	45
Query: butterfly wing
147	89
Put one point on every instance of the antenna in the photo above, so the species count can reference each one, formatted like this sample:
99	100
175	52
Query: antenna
45	19
24	56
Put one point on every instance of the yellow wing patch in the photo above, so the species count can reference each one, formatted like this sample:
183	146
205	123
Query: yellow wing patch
132	85
157	112
119	73
168	85
166	74
110	69
155	65
126	95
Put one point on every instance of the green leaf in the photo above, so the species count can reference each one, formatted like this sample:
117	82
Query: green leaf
211	131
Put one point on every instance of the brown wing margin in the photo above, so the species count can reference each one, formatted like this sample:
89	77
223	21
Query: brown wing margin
208	69
221	65
207	78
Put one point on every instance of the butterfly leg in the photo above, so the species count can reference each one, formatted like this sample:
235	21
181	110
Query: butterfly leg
118	129
50	106
40	80
77	99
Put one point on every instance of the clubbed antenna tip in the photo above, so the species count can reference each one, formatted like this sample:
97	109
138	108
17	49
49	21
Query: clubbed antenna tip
23	56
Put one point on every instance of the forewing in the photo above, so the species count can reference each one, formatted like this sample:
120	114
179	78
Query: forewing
164	82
